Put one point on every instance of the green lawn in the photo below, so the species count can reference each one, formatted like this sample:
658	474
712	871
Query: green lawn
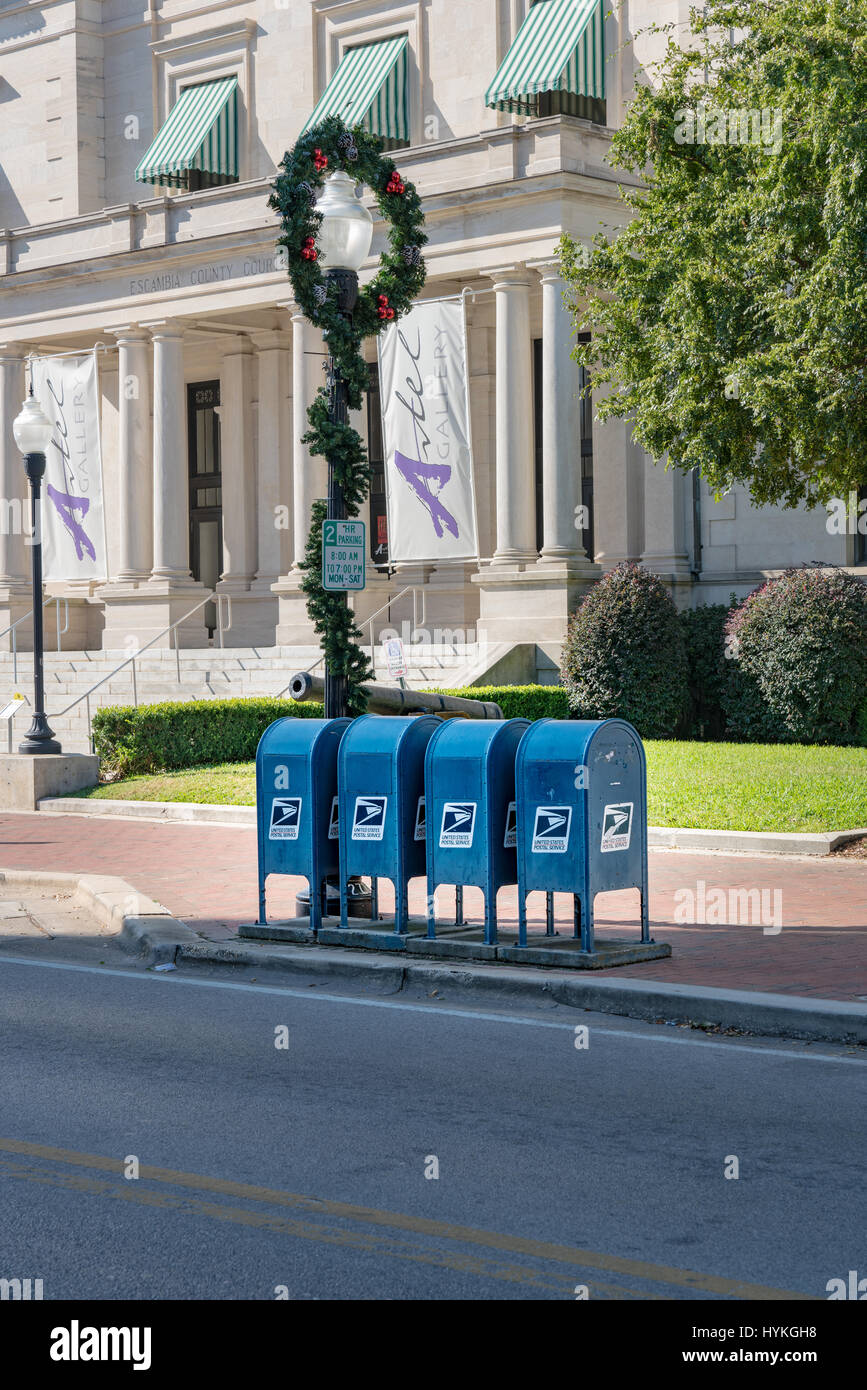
715	786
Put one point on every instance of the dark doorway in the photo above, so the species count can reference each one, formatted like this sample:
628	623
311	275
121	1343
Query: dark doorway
206	492
376	459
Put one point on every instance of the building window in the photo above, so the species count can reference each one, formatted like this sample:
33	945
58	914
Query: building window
583	454
376	458
369	88
197	147
556	64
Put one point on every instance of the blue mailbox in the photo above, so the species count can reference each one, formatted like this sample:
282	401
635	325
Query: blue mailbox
582	816
296	804
381	790
469	779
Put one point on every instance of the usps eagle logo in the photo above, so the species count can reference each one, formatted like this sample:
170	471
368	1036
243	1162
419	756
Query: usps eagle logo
551	829
285	818
616	826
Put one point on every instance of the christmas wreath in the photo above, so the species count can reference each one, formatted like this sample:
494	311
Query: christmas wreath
321	151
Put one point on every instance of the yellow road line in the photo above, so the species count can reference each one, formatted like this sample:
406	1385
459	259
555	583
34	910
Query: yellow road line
398	1221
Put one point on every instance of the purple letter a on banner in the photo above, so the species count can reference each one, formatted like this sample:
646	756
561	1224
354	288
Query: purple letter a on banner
419	476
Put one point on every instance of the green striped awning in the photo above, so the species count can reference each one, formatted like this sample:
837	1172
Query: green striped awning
201	134
369	89
560	47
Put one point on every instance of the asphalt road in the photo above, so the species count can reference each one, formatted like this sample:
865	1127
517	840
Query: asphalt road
302	1168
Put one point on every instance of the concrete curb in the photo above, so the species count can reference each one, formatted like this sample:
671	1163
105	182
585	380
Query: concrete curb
145	927
658	837
772	1015
148	930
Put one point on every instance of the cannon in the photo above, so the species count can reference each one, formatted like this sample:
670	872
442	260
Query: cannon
384	699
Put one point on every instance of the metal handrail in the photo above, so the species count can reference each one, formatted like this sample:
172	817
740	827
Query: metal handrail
209	598
61	631
410	589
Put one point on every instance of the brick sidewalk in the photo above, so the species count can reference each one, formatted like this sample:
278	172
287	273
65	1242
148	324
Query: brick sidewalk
206	875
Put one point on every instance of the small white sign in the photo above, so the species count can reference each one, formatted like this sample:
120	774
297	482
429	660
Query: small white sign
285	818
420	821
395	657
551	829
368	822
510	839
617	826
343	550
334	821
458	824
8	710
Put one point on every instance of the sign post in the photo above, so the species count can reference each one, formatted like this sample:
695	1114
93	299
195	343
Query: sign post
343	555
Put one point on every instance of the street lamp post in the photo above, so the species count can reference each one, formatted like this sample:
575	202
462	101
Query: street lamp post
343	243
32	431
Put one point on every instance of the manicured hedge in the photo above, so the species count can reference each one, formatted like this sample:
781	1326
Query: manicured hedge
520	701
624	656
797	668
156	738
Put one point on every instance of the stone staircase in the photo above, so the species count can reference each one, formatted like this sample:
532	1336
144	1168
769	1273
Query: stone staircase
208	673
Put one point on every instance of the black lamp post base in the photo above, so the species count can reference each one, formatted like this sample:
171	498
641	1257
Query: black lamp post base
39	738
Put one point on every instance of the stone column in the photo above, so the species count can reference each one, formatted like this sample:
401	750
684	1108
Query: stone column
15	595
309	480
667	498
171	479
274	427
236	464
171	593
618	490
309	472
561	426
516	491
135	456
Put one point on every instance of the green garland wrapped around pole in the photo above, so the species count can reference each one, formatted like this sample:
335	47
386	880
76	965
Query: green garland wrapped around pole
329	231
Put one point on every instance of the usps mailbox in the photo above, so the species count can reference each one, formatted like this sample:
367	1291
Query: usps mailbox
296	804
470	797
382	804
582	816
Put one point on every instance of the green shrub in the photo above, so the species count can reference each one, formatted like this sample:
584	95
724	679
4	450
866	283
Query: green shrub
704	638
520	701
799	659
624	655
156	738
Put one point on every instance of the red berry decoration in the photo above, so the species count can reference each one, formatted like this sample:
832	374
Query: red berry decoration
320	160
308	250
395	183
384	309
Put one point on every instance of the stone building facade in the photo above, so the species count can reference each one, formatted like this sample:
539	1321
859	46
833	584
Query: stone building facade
208	486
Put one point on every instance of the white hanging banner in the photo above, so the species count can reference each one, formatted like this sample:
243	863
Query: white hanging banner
73	524
424	388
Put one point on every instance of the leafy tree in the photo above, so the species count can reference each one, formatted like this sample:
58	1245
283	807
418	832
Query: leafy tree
729	315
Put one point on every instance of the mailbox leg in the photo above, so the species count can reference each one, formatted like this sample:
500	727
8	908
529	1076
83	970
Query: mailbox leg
401	906
344	902
645	915
262	913
431	911
576	912
315	906
490	915
374	899
587	935
459	904
549	914
522	916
